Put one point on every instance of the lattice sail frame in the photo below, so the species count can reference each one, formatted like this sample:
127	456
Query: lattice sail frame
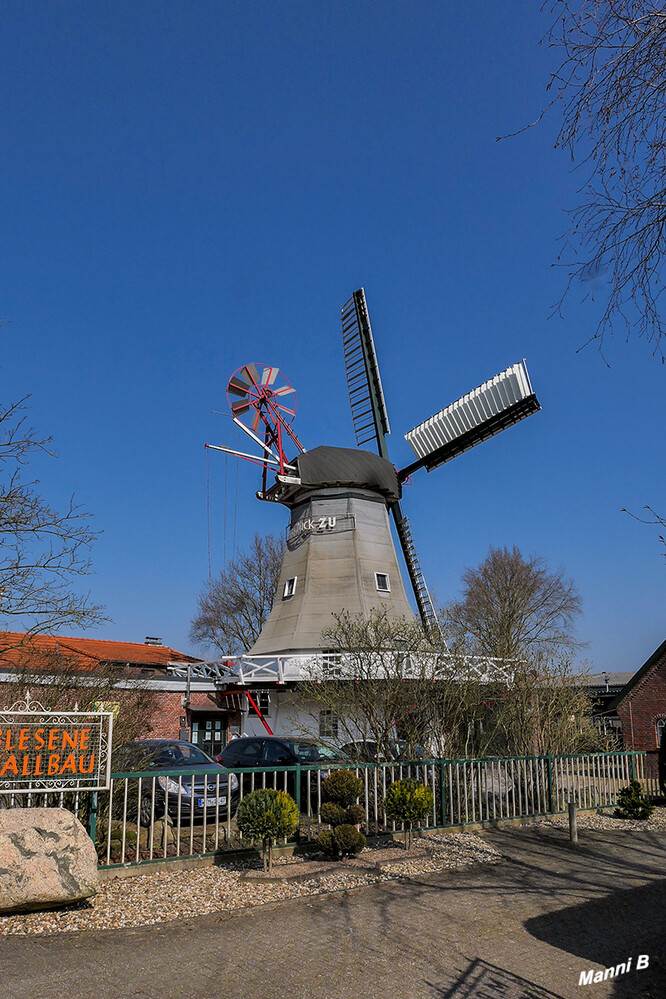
14	721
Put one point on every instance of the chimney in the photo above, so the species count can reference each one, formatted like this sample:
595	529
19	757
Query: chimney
152	640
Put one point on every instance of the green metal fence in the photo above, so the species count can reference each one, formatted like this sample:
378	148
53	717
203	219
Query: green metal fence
148	817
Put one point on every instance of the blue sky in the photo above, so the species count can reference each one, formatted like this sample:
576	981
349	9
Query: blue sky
188	187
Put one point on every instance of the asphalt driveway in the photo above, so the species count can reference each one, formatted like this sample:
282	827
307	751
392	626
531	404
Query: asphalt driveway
526	927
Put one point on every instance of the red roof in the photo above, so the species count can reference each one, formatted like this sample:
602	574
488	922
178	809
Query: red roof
15	647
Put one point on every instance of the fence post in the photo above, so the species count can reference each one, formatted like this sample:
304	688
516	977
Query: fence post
442	790
632	766
573	823
549	771
93	815
298	801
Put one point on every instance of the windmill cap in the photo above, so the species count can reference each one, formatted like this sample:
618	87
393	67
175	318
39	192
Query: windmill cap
349	467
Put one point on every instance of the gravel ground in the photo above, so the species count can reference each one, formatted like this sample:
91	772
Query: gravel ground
146	899
656	822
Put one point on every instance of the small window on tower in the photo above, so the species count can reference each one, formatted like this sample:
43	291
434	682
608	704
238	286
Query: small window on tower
262	699
382	581
289	588
661	727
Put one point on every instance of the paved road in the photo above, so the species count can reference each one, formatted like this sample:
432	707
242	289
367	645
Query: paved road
524	928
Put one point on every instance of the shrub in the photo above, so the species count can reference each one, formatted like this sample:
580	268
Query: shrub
408	801
349	840
355	814
265	816
632	803
334	815
343	841
342	787
326	843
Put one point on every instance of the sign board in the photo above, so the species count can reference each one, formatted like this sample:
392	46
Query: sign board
42	751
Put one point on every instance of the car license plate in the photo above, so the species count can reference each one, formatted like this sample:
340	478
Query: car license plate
211	802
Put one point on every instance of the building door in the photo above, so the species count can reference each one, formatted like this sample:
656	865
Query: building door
209	732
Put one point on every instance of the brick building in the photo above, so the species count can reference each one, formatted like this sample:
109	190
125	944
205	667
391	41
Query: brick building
190	709
641	708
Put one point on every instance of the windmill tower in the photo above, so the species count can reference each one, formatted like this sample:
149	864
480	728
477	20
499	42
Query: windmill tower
340	553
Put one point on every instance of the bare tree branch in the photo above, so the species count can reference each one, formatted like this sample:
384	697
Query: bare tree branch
515	608
42	550
611	87
233	609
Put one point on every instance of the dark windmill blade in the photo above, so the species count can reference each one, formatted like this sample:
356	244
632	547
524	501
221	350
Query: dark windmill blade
492	407
366	395
238	387
371	424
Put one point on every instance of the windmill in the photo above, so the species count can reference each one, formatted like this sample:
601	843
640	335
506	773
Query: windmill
340	553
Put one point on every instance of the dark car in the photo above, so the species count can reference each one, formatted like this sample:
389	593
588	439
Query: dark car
393	751
211	789
274	751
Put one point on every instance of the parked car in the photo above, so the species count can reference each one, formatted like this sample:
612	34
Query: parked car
167	758
274	751
394	751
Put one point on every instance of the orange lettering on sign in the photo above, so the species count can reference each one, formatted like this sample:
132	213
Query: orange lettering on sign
69	764
70	741
10	765
54	764
53	738
85	739
38	765
39	738
24	736
91	764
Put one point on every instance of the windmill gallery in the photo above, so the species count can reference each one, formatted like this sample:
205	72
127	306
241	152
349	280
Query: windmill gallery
340	554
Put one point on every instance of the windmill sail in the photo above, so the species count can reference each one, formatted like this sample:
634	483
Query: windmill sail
427	611
364	382
487	410
371	424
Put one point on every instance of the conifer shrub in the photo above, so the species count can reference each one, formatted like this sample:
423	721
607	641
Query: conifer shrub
632	803
349	840
265	816
342	841
339	791
408	801
333	815
342	787
326	843
355	815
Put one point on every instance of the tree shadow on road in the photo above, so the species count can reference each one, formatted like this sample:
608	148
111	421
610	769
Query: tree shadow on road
482	980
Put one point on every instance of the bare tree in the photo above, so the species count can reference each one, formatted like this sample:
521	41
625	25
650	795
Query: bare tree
373	683
42	551
654	520
233	608
385	680
544	709
514	608
611	87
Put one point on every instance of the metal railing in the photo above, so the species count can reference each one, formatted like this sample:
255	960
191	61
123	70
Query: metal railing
148	817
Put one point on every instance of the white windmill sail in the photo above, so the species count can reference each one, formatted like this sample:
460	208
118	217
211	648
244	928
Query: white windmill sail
485	411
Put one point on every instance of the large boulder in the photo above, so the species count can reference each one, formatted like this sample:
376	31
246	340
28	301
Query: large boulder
47	859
